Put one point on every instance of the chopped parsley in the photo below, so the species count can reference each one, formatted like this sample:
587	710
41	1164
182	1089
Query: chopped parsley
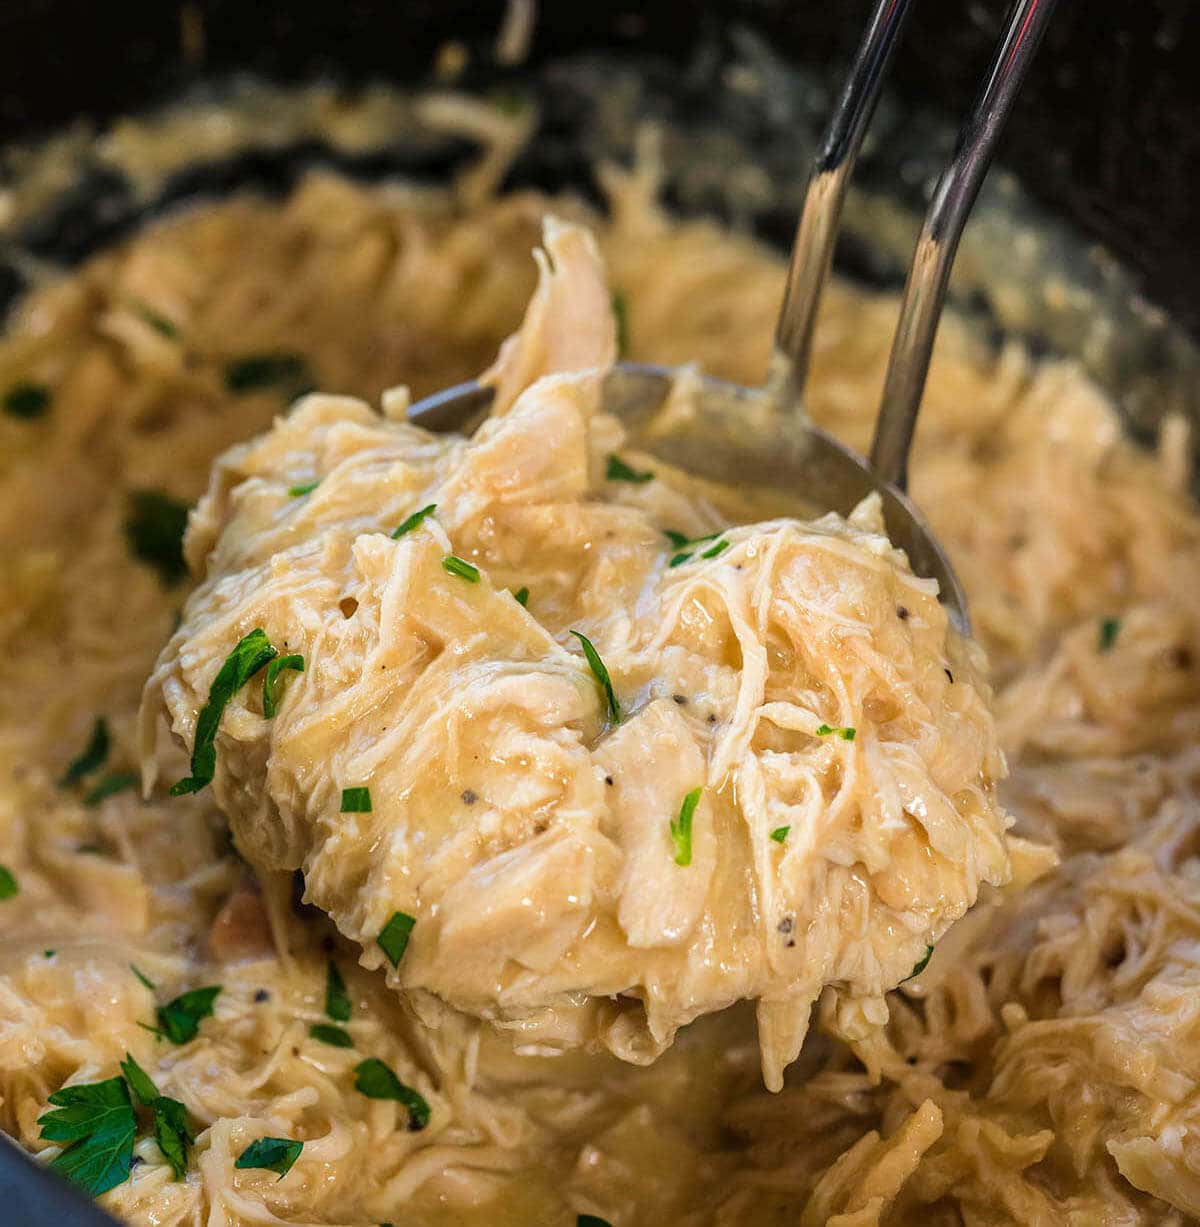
337	1000
376	1081
305	487
143	978
920	967
270	1154
454	565
273	683
98	1123
414	521
159	322
676	539
846	734
521	596
618	470
356	800
172	1132
681	828
713	550
91	758
393	941
27	401
1110	628
154	527
600	672
620	310
779	834
8	884
327	1033
687	547
114	782
179	1019
246	659
140	1082
257	371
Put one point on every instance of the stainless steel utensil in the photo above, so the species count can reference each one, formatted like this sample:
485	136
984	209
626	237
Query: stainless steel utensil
802	457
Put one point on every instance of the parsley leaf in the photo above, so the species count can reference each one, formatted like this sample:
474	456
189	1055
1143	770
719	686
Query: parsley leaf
159	322
375	1080
27	401
113	782
337	1000
393	940
327	1033
172	1133
91	758
620	310
8	884
846	734
256	371
676	539
920	967
414	521
305	487
143	978
179	1019
618	470
779	834
250	654
521	596
270	1154
140	1082
154	527
681	828
713	550
1110	628
600	672
98	1122
356	801
454	565
273	683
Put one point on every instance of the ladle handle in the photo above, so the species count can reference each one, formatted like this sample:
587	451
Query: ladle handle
929	273
812	248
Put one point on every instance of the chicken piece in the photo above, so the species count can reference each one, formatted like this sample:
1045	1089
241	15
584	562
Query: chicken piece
792	681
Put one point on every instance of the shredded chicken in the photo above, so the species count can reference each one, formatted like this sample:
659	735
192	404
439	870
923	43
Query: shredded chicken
796	672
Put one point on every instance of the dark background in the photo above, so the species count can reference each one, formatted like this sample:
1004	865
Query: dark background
1107	131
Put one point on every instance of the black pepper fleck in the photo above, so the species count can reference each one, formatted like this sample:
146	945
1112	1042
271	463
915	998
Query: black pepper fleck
261	996
791	941
608	779
786	925
469	796
902	612
950	676
712	717
680	699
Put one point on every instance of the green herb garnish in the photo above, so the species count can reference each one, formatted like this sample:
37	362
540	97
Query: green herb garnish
143	978
679	541
846	734
779	834
676	539
8	884
454	565
356	800
620	310
376	1081
1110	628
255	371
591	1220
521	596
414	521
393	941
273	683
97	1121
270	1154
713	550
327	1033
140	1082
618	470
27	401
92	756
250	655
600	672
920	967
179	1020
305	487
172	1133
681	828
337	1000
114	782
159	322
154	527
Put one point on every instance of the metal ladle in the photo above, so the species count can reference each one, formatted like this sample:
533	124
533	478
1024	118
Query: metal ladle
801	456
